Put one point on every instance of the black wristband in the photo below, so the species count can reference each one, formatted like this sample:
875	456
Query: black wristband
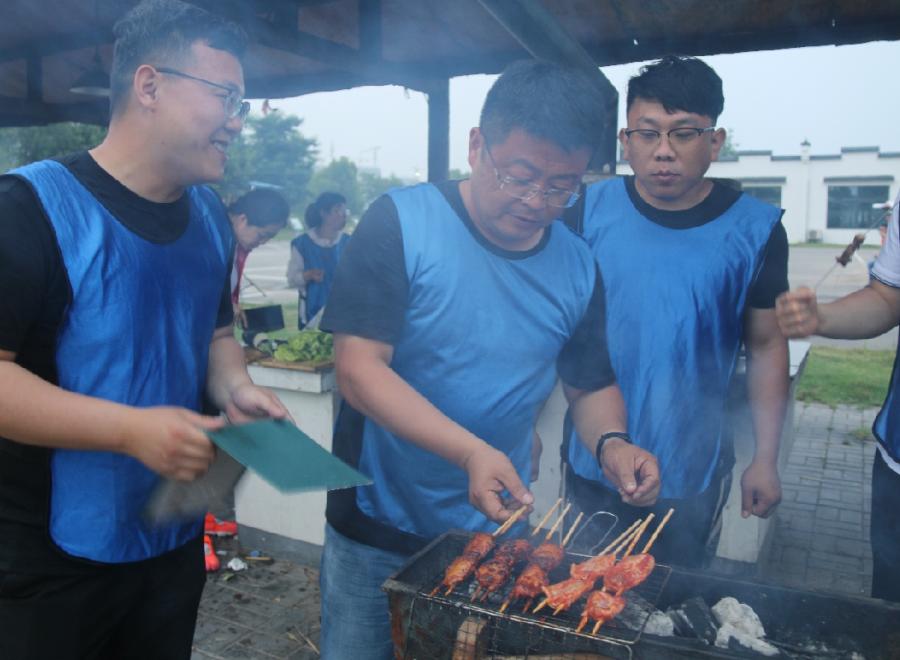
621	435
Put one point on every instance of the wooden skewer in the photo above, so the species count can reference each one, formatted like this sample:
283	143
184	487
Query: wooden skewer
504	606
597	626
637	536
572	529
502	529
558	610
559	520
546	517
540	606
627	533
628	539
658	530
582	623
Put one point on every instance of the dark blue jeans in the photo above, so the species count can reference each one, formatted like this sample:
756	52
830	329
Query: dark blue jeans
883	531
356	622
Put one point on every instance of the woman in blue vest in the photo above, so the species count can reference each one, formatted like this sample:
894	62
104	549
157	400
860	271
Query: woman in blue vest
315	253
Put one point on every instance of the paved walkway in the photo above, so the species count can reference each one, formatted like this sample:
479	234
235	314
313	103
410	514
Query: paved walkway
820	542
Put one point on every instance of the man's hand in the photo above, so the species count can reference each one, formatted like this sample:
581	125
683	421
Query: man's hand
537	448
760	490
314	275
797	313
490	474
249	402
171	441
634	471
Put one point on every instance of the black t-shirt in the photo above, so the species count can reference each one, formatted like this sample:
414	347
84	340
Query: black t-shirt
770	282
34	294
369	298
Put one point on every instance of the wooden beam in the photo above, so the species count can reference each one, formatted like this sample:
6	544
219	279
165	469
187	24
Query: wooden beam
543	37
370	30
22	112
439	130
34	78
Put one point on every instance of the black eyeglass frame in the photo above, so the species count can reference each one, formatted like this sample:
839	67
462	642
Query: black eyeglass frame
698	131
239	107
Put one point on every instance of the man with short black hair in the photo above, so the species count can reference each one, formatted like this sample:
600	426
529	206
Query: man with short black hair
115	319
691	269
453	307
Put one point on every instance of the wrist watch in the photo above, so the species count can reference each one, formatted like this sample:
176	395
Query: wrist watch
621	435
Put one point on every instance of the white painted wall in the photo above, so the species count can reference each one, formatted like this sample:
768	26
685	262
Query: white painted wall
804	193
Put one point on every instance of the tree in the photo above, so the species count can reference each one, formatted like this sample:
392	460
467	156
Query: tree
271	150
372	185
340	176
20	146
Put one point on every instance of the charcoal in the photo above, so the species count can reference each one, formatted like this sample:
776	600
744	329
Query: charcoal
693	618
636	611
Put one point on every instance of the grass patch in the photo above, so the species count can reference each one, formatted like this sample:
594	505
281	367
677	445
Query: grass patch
836	376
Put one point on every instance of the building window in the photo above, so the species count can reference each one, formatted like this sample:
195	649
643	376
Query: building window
768	194
850	207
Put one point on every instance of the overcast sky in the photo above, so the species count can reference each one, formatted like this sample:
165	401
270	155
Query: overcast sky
833	96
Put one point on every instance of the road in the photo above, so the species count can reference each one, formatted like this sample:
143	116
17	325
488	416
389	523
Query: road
267	265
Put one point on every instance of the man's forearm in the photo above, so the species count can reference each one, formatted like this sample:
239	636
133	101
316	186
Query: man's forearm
35	412
227	369
866	313
596	413
767	391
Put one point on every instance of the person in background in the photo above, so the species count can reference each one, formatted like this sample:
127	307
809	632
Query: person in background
453	307
869	312
115	319
692	268
315	253
255	217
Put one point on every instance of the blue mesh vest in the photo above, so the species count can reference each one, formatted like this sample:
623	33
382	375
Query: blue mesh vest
481	335
675	302
136	332
326	259
887	424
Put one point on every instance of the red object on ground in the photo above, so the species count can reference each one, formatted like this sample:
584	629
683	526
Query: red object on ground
215	527
209	555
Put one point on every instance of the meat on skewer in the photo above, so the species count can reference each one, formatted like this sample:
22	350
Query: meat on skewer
596	567
562	595
544	559
628	573
493	574
478	546
458	571
601	607
634	569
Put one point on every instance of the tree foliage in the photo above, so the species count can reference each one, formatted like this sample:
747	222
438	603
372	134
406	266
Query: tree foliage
340	176
20	146
271	150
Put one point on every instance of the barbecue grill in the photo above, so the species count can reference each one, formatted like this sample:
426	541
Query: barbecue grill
801	624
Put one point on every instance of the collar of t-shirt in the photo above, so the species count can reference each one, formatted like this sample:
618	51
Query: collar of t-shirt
719	200
321	241
450	191
153	221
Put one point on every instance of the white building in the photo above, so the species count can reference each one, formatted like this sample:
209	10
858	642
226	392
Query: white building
826	198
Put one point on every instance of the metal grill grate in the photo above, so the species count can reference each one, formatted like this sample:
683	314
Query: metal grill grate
452	626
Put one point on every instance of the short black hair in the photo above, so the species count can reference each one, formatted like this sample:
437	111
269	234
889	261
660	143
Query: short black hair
679	83
262	207
161	32
554	102
324	203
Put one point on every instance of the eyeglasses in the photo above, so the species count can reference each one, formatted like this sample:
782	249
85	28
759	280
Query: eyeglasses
678	137
526	191
235	105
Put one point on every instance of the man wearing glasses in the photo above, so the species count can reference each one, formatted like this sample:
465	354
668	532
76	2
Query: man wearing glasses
691	269
115	319
453	307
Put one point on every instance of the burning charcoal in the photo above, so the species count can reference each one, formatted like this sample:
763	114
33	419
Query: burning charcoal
739	615
736	640
695	619
660	624
636	611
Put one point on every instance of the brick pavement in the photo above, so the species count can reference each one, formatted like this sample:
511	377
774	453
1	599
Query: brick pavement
821	536
820	542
